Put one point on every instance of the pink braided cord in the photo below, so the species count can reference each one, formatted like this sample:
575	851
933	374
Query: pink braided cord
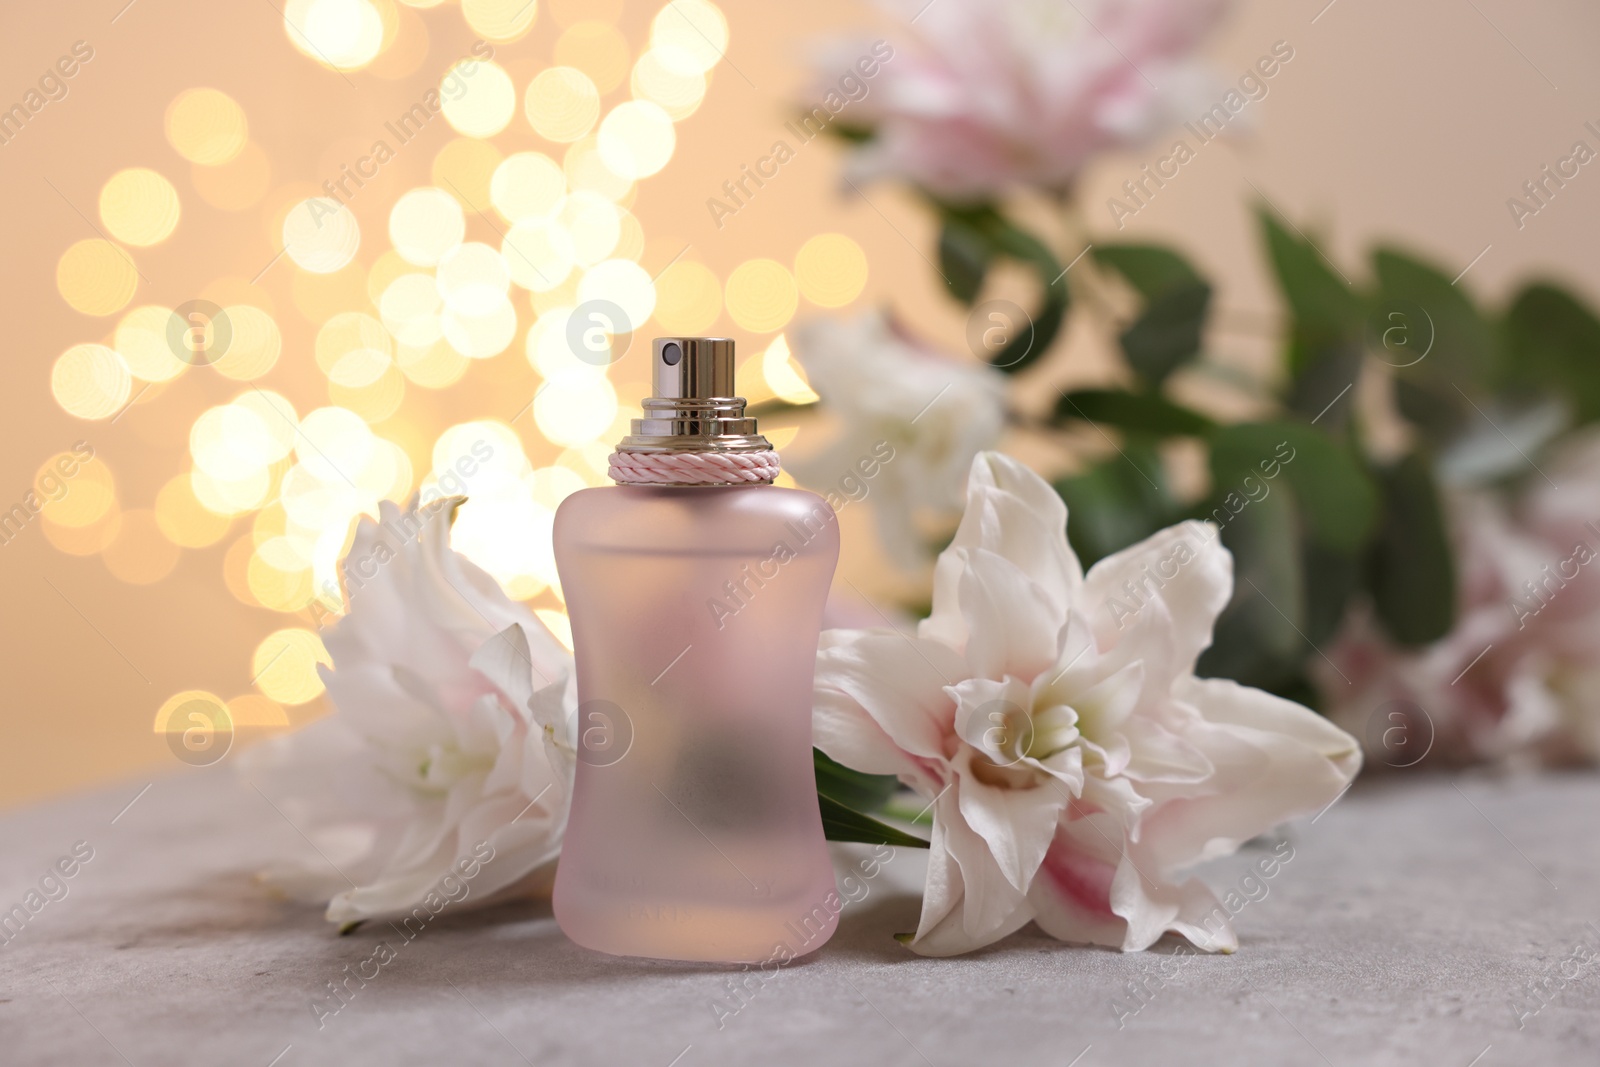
696	468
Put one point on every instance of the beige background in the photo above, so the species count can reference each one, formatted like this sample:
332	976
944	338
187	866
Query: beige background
1409	121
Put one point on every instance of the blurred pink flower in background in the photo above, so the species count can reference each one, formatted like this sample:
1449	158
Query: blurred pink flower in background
996	94
1518	678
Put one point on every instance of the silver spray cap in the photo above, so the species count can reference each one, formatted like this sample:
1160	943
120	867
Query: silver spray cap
694	408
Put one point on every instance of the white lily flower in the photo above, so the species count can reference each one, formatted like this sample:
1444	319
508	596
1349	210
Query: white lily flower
934	412
450	750
1075	765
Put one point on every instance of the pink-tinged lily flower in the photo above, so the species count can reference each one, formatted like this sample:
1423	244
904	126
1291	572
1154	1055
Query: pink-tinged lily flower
1075	765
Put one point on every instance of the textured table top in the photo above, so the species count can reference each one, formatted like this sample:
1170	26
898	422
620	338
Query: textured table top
1411	926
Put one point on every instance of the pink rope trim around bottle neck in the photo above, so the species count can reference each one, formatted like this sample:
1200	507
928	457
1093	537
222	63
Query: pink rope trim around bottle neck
693	468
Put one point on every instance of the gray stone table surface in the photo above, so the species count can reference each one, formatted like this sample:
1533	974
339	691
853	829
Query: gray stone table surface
1408	928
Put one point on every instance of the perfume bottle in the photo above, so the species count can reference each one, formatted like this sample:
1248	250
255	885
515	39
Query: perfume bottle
695	589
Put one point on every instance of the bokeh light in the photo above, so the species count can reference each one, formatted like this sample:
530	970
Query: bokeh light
237	184
831	270
90	381
593	223
141	339
527	185
500	20
783	376
689	35
342	34
321	235
206	126
636	139
139	207
465	166
669	81
761	295
596	48
575	407
183	520
255	347
473	279
688	298
96	277
76	492
539	254
426	223
353	349
478	98
562	104
285	666
625	284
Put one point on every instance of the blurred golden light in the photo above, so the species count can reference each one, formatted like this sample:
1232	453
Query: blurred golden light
433	367
561	298
591	462
321	235
575	406
481	336
276	588
405	44
321	296
234	495
624	283
670	81
215	717
236	569
567	12
527	185
255	346
138	206
688	298
253	709
353	349
594	223
410	309
84	540
562	104
206	126
630	239
140	554
384	270
538	253
334	443
96	277
784	376
478	97
141	338
831	270
552	485
691	35
587	169
75	492
278	421
375	401
762	295
422	4
500	20
596	48
183	520
231	443
473	279
559	625
636	139
285	666
90	381
342	34
236	184
465	167
426	223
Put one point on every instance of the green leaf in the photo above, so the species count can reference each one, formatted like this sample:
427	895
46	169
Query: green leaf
1145	413
1331	578
853	789
1152	270
1410	569
1322	303
964	257
1117	502
1257	639
1167	334
1552	340
840	823
1335	495
1324	387
1425	326
971	236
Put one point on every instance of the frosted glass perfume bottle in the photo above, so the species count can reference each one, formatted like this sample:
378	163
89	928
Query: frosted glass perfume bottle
695	608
